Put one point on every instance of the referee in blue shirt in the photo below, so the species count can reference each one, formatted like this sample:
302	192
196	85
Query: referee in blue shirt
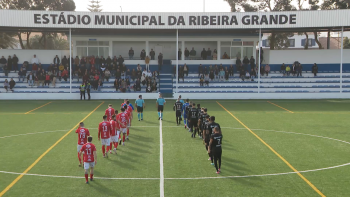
160	104
140	104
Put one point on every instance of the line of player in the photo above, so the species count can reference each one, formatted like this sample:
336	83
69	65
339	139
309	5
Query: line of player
197	120
109	133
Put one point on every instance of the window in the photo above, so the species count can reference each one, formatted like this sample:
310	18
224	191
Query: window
236	52
91	47
309	42
226	43
236	43
248	43
291	42
267	43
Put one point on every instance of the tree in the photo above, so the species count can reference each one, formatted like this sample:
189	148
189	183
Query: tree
346	43
7	40
95	6
57	5
53	42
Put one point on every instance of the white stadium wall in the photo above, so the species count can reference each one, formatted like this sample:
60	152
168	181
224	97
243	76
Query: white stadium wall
45	56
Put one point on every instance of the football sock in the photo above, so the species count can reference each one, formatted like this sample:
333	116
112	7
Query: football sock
107	147
110	146
91	176
141	115
79	158
115	144
184	121
120	137
103	149
123	138
138	116
159	114
127	132
86	177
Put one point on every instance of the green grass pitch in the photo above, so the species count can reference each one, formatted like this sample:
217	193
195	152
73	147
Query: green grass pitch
312	135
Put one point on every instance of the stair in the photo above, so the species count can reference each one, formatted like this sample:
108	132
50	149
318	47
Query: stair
166	85
167	68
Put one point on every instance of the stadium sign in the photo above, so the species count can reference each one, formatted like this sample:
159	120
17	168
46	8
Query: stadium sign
240	20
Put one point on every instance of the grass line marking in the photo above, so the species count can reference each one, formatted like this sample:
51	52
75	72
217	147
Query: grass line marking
48	150
37	108
280	107
161	164
276	153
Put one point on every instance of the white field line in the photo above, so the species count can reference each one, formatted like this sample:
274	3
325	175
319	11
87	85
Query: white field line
31	133
161	164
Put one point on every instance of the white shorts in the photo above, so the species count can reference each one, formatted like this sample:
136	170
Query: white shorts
115	138
79	148
106	142
123	130
88	165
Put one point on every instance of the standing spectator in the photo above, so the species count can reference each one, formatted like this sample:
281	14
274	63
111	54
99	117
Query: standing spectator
47	79
222	74
300	69
133	74
208	54
314	69
152	54
35	69
97	63
294	69
21	75
201	81
200	70
231	70
6	84
238	64
15	63
30	79
82	91
186	70
179	53
204	54
215	55
54	78
123	86
216	72
283	69
227	74
3	62
225	56
147	62
127	81
288	70
206	79
143	54
261	55
252	62
262	70
79	74
64	74
252	74
187	54
56	60
88	89
160	61
193	53
128	74
131	54
267	69
35	60
9	63
41	67
6	70
245	63
76	62
12	84
108	61
242	74
120	60
25	65
107	75
42	77
181	74
118	74
211	75
116	84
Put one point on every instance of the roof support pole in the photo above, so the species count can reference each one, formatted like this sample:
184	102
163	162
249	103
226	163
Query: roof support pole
70	61
177	60
259	45
341	60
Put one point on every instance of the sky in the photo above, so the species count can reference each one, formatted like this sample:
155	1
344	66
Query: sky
157	5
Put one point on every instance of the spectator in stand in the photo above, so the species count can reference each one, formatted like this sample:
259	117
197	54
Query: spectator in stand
47	79
143	54
216	72
227	74
3	62
246	63
149	74
6	70
201	81
123	86
215	55
262	70
127	82
294	69
267	69
9	63
261	55
41	67
225	56
21	75
231	70
107	75
193	53
181	73
144	72
204	54
252	62
222	74
283	69
205	70
206	79
288	70
35	69
100	84
211	75
187	54
200	70
133	74
54	77
12	84
60	70
108	61
238	64
186	70
143	79
300	69
160	61
252	74
6	84
15	63
102	61
95	82
116	84
85	76
179	53
120	61
152	54
30	79
65	74
209	57
247	75
137	85
314	69
98	63
242	74
56	60
128	74
35	60
65	62
25	65
76	62
147	62
131	54
50	68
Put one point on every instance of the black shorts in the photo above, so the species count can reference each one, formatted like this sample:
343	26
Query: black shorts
194	122
207	139
160	108
178	113
139	109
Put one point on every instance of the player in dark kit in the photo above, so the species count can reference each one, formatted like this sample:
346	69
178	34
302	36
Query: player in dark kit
193	117
211	125
187	111
215	148
203	121
177	108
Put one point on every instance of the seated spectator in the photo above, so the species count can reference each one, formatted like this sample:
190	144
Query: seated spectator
252	74
215	55
12	84
225	56
137	85
262	70
144	72
222	74
131	54
118	74
128	74
206	79
216	72
267	69
30	79
47	79
288	70
314	69
231	70
201	81
21	75
107	75
123	86
116	84
247	75
25	65
186	70
242	74
41	67
155	74
252	62
64	74
149	74
283	69
127	81
133	74
143	79
6	84
86	77
211	75
53	77
100	84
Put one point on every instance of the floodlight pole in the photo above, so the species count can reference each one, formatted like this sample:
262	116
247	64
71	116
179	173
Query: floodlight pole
259	60
341	60
70	60
177	60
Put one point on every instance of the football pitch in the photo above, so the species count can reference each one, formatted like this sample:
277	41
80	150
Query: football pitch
270	148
